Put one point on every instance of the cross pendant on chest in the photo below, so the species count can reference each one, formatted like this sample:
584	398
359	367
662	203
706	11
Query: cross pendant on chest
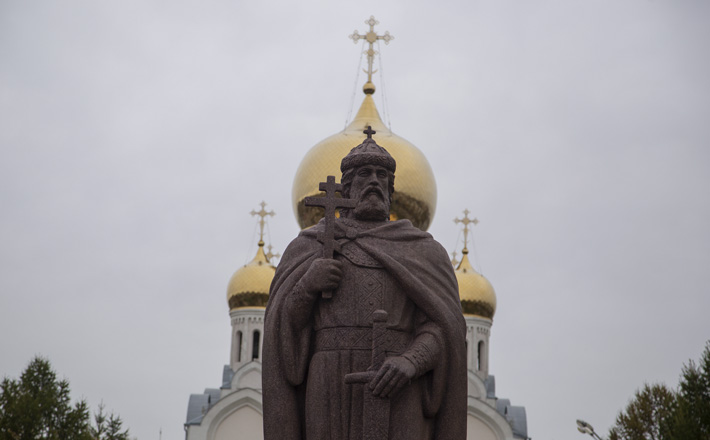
330	203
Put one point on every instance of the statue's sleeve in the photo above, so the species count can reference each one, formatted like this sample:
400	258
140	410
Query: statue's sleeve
287	315
425	349
285	357
299	307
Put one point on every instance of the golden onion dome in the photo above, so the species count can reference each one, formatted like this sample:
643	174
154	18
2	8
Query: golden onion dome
476	293
415	188
249	286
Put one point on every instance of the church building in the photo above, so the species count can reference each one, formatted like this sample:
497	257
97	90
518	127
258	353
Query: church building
233	410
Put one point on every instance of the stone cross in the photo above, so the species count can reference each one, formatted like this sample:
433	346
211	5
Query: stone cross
466	221
330	203
369	132
371	37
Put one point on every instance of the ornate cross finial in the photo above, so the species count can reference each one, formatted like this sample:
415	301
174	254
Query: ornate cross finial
369	132
454	261
466	221
270	255
262	213
371	37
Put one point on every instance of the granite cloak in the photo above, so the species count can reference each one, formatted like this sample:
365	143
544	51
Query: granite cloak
422	267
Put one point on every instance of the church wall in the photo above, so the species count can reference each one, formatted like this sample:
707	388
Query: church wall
246	321
476	386
247	377
477	344
243	424
477	430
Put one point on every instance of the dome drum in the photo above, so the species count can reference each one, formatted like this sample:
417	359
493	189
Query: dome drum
478	308
248	299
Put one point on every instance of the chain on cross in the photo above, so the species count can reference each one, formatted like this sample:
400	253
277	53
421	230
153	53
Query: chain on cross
466	221
371	37
262	213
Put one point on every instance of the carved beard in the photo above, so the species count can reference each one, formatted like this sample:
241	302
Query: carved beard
372	205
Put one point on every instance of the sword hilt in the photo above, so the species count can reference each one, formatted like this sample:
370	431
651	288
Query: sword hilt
376	410
379	344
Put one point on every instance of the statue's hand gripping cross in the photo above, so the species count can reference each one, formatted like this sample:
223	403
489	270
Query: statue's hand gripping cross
330	203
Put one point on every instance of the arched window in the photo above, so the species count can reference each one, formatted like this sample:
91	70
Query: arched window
255	347
481	353
239	346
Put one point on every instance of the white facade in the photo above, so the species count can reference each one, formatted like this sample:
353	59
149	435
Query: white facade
247	336
234	412
478	332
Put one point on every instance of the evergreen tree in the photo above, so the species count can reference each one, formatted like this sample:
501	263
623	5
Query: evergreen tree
108	428
692	417
38	407
648	416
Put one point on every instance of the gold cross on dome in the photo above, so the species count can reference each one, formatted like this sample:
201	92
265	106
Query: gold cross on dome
454	261
466	221
262	213
270	255
371	37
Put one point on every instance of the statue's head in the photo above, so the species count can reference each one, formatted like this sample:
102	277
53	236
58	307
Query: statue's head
368	177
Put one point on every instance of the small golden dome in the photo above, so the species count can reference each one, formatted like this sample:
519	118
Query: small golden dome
249	286
414	197
476	293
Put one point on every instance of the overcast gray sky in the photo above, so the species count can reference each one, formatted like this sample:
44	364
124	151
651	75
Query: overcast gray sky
136	136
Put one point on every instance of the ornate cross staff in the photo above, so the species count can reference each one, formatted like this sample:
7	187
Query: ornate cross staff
371	37
330	203
376	410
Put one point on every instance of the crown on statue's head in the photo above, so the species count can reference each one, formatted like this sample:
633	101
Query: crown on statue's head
368	153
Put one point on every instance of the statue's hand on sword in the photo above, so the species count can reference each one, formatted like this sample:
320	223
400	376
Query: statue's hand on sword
393	375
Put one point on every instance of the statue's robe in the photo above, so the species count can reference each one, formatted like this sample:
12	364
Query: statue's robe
308	348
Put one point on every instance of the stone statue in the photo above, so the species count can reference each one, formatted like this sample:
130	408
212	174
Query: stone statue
369	344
